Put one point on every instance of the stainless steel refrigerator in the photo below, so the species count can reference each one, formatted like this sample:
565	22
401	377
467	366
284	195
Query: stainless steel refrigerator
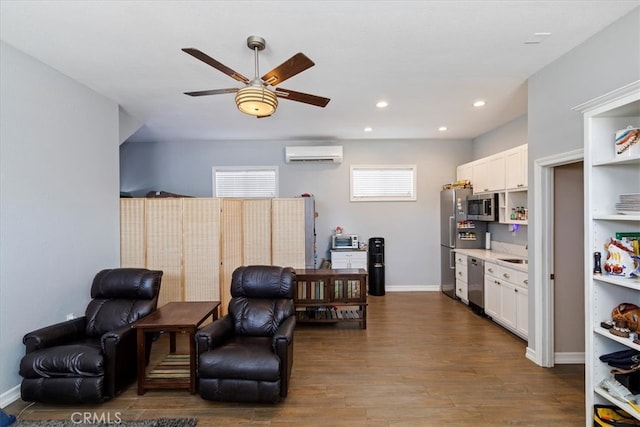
456	231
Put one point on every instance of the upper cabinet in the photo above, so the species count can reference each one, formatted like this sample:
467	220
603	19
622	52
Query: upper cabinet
464	172
515	167
502	171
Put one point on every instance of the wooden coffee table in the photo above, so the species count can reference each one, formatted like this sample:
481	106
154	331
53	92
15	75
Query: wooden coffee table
182	317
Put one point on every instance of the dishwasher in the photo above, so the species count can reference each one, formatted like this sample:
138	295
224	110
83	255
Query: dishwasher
475	280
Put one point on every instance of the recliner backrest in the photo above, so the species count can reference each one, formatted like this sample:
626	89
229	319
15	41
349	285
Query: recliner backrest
262	297
121	296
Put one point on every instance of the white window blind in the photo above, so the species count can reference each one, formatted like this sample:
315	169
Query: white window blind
245	182
383	183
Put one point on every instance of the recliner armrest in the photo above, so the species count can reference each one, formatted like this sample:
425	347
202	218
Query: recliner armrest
285	331
214	334
109	340
56	334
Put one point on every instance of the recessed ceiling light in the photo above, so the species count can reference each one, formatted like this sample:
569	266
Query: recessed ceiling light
479	103
368	129
537	38
382	104
442	128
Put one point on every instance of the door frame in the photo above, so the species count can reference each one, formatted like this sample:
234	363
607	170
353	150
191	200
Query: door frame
543	303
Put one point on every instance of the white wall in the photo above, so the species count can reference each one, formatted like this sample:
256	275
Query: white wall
59	206
410	229
609	60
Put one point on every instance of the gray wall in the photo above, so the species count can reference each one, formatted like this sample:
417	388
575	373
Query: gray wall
59	220
410	229
609	60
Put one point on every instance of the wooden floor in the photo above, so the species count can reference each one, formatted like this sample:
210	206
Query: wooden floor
424	360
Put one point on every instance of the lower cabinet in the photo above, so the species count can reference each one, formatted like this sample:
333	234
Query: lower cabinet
348	259
462	287
507	298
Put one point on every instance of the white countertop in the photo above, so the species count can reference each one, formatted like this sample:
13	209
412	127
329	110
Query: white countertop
494	257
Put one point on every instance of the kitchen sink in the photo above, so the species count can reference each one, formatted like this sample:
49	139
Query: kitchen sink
515	260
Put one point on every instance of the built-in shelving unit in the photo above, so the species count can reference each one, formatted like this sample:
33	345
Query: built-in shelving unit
331	296
606	177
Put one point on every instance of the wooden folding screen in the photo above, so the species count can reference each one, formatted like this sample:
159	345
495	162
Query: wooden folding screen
199	242
163	221
201	249
288	242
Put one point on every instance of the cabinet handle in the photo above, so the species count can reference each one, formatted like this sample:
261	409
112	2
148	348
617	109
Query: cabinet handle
526	281
490	270
516	290
505	275
496	282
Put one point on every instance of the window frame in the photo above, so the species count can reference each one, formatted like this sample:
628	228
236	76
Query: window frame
248	170
411	197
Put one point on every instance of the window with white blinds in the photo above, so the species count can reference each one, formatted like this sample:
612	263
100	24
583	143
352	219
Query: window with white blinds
245	181
383	183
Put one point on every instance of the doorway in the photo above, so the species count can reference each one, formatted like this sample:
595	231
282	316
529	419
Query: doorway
546	259
568	263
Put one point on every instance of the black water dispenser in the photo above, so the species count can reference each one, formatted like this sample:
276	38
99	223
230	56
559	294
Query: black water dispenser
375	266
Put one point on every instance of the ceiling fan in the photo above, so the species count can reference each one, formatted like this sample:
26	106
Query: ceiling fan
255	98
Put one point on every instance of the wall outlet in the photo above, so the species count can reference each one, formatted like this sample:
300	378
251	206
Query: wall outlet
71	316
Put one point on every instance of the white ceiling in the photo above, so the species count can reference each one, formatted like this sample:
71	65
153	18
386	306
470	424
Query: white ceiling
429	59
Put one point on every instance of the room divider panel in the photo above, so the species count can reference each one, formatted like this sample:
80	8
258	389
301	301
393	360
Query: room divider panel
199	242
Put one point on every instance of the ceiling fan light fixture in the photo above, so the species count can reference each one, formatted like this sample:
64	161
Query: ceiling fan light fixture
256	101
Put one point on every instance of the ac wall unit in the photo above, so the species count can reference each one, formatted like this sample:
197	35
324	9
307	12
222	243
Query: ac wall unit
323	153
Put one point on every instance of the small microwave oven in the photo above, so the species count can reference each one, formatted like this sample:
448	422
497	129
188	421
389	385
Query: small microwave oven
344	241
483	207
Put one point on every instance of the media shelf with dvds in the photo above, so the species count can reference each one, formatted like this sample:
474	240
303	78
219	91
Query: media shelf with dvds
331	296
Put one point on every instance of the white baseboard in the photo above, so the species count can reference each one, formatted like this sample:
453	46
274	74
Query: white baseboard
568	358
531	355
9	396
410	288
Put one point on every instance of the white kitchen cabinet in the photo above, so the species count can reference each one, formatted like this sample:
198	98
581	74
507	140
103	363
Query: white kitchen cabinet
462	287
607	176
522	311
464	172
480	176
515	165
348	259
502	171
506	298
496	172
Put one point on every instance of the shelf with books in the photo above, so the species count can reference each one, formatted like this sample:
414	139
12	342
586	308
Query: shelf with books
331	296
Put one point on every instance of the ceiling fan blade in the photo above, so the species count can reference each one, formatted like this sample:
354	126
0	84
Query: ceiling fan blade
215	64
292	66
302	97
211	92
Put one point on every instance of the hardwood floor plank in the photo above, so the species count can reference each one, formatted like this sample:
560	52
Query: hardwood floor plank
424	360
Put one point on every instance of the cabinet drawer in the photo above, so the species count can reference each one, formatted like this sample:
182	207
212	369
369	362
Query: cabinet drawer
462	290
521	279
492	269
461	272
461	260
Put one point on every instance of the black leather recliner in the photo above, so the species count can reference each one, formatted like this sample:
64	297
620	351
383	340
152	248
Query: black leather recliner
247	355
91	358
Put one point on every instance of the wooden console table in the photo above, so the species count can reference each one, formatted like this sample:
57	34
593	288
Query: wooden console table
182	317
331	296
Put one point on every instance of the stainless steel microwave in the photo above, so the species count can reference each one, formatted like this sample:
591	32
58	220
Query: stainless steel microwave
483	207
344	241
